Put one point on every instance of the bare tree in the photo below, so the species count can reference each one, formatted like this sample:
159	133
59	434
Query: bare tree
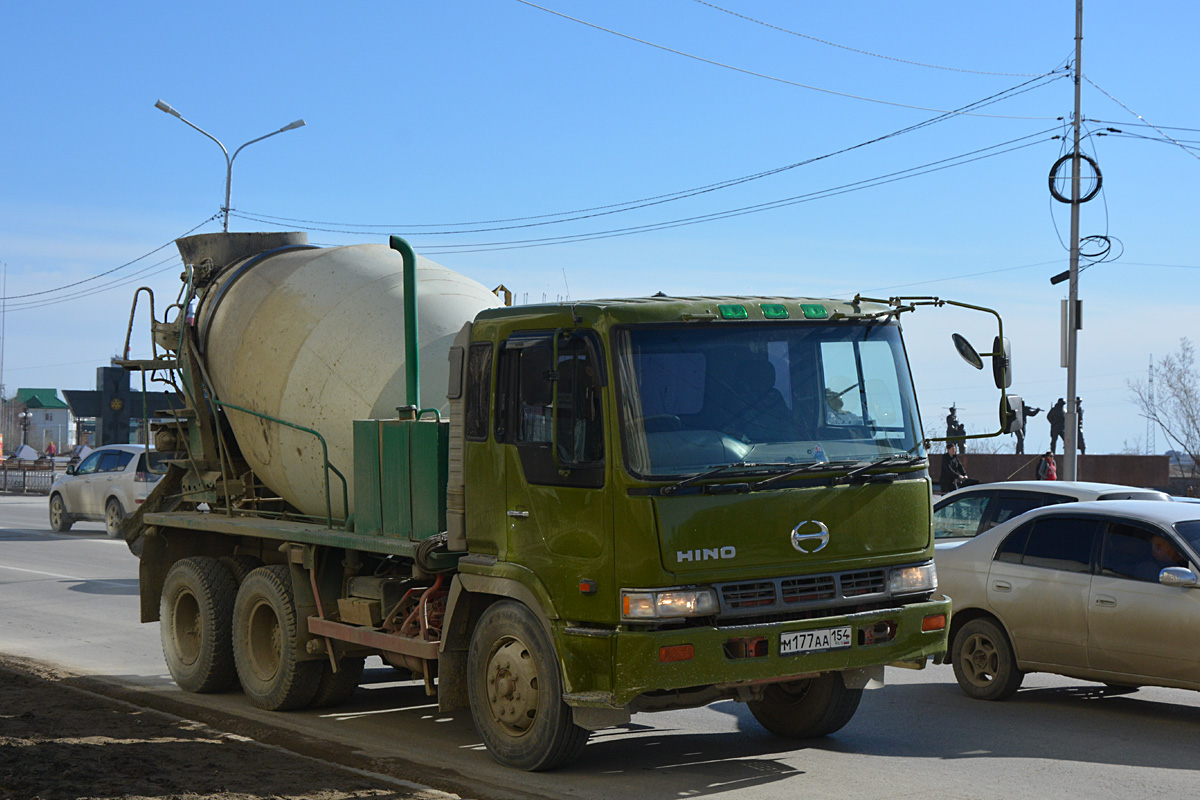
1174	403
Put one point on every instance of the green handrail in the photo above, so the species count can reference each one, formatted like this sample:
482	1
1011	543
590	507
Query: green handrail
324	456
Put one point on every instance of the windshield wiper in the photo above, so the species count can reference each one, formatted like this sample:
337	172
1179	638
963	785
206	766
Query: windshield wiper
816	466
894	460
669	490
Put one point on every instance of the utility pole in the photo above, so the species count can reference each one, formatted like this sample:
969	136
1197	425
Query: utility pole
1150	446
1071	434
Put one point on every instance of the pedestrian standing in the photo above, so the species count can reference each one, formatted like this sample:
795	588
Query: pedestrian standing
1047	470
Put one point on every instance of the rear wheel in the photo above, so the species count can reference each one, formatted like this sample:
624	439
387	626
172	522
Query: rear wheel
60	520
516	692
984	663
241	565
265	629
195	611
335	688
113	514
808	708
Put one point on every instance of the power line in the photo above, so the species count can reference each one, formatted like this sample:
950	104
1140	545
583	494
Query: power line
855	49
111	271
614	208
934	166
761	74
1139	116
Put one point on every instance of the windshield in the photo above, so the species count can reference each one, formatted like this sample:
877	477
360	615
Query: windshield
695	398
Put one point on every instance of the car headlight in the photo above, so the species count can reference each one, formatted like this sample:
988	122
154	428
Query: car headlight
913	580
668	603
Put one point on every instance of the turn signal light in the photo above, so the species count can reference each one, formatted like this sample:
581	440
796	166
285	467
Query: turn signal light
935	622
676	652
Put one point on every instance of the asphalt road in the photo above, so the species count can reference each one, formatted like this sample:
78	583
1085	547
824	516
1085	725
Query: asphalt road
71	600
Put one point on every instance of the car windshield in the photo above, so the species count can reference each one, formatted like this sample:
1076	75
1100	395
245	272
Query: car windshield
696	398
1191	532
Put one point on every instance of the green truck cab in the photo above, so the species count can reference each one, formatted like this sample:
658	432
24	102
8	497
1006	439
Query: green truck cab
623	506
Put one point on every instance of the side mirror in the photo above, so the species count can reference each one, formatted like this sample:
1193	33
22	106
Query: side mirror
1012	414
1002	362
1177	576
968	353
70	471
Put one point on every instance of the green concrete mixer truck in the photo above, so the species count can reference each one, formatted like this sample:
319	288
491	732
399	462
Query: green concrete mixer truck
554	515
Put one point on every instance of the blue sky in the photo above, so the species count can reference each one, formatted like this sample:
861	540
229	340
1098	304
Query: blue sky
425	114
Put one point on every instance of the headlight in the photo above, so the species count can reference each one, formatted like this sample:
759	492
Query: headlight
667	604
912	580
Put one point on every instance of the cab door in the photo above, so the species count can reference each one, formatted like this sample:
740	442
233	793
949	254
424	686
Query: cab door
550	419
77	491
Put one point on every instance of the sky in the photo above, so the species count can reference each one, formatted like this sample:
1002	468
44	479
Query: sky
589	148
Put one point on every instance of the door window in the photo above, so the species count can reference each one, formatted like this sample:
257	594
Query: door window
1061	543
89	464
1010	504
1138	553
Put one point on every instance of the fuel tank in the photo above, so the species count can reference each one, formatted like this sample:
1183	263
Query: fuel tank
315	337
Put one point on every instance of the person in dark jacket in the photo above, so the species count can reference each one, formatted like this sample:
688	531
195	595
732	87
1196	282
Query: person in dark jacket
954	475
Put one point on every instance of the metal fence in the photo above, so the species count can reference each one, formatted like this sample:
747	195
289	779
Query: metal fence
26	478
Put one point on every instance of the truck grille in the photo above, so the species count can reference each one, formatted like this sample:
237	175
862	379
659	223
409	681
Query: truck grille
776	595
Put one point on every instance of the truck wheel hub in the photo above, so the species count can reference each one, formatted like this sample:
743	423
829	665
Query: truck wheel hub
512	683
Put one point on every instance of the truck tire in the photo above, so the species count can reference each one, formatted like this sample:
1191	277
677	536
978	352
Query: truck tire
60	520
241	565
265	629
516	692
335	688
195	613
807	708
984	663
113	514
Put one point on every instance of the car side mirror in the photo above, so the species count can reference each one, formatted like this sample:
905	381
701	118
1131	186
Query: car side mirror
1178	576
70	470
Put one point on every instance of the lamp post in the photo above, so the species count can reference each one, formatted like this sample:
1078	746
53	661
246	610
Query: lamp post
160	105
25	418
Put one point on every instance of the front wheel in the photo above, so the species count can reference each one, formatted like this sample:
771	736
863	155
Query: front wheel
807	708
984	663
265	629
113	514
516	691
60	520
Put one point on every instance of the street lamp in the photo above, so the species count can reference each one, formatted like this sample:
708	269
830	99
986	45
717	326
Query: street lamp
161	106
25	417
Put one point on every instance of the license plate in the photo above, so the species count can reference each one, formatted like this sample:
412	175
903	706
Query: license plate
814	641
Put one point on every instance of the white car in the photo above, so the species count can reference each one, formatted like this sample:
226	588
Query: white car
968	512
1105	592
105	486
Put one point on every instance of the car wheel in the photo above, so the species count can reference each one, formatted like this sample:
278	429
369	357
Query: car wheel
808	708
984	663
60	520
113	514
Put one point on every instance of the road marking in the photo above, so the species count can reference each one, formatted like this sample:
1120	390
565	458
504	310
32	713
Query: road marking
64	577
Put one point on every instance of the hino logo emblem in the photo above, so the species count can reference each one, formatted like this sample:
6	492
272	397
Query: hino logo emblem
821	536
705	554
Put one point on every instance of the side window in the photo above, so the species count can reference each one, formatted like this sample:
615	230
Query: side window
961	517
1012	550
89	464
1138	553
110	461
123	459
479	383
1062	543
552	409
1011	504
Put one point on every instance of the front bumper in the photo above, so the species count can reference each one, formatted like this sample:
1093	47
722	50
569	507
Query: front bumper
611	668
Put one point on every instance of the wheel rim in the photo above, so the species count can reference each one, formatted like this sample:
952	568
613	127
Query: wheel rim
512	686
56	511
113	517
266	641
185	624
980	659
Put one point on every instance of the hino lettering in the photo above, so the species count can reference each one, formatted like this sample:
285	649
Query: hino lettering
705	554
